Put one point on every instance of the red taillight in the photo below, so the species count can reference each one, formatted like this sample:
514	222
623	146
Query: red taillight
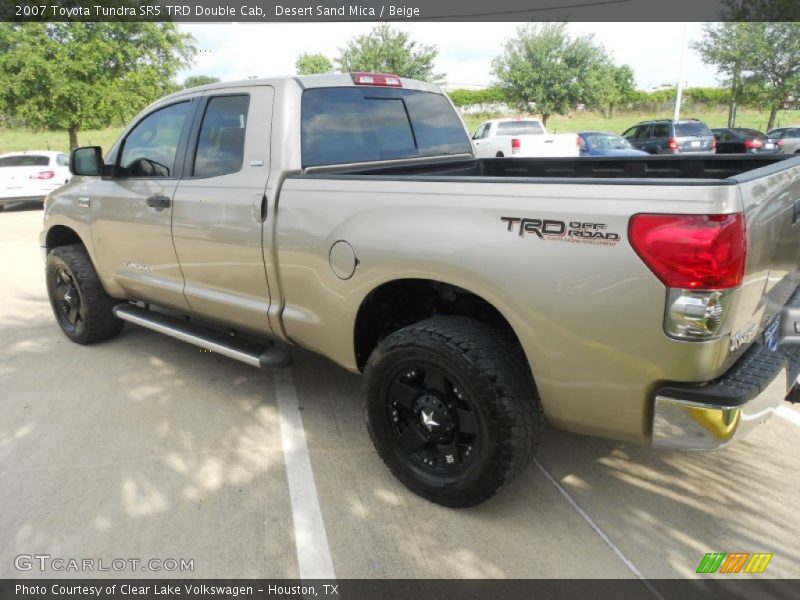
697	252
382	79
752	144
43	175
714	144
780	143
515	145
672	144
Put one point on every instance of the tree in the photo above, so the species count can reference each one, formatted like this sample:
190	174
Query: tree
198	80
385	50
543	68
760	62
776	66
86	75
312	64
727	46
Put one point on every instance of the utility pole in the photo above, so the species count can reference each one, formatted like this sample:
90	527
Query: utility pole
679	95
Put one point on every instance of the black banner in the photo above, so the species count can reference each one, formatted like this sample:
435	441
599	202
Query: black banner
204	11
729	587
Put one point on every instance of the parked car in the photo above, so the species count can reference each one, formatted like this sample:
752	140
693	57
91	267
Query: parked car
521	138
789	136
667	136
623	299
740	140
29	176
601	143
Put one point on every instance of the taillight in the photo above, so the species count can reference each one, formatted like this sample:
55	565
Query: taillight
515	146
694	252
780	143
381	79
43	175
672	144
752	144
714	144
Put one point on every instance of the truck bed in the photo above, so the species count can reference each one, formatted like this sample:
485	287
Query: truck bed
683	170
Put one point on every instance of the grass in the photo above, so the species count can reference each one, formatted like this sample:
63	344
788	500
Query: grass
25	139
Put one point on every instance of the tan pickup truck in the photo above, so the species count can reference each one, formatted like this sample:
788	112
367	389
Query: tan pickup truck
646	298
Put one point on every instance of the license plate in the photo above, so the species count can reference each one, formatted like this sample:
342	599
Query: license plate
768	146
771	334
695	144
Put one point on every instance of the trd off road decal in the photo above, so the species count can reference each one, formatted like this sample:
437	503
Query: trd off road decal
576	232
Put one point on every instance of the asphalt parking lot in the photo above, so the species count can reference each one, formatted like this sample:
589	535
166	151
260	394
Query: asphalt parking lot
147	447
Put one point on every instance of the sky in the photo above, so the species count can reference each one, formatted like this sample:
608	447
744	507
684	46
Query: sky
233	51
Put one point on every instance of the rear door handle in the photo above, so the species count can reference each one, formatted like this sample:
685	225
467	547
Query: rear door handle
158	202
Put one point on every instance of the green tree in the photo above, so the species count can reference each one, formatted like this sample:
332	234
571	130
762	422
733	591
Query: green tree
775	64
385	50
312	64
542	68
86	75
759	62
198	80
728	46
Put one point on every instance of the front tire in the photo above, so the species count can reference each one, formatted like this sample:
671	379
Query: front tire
81	306
452	409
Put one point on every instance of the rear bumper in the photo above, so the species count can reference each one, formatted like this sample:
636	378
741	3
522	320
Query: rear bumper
709	416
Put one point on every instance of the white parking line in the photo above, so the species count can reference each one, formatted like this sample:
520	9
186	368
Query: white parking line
787	413
313	554
598	531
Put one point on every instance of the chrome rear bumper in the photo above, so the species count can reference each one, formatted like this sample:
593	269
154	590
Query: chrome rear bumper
691	425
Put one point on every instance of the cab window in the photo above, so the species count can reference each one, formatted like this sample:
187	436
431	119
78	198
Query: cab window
220	145
151	148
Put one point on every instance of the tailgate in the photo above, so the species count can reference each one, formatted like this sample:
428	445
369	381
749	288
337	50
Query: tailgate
771	200
554	145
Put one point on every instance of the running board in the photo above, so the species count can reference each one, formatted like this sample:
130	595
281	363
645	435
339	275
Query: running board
277	356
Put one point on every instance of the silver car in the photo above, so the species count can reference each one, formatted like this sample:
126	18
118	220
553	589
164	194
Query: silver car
789	136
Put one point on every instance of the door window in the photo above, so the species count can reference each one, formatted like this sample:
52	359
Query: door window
220	145
643	132
150	150
661	130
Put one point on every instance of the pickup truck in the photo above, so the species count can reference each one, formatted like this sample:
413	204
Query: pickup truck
522	138
646	298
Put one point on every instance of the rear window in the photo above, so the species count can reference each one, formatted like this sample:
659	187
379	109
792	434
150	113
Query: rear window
692	129
361	124
520	128
25	160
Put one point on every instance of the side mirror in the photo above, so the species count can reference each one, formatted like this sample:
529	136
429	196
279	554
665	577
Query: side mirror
86	161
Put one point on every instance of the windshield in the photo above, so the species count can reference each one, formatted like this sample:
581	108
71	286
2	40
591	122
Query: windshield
692	129
362	124
607	141
24	160
520	128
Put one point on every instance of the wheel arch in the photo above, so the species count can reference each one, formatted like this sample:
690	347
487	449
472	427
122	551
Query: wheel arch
62	235
400	302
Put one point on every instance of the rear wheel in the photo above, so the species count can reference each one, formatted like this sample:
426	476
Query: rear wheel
452	409
499	155
81	306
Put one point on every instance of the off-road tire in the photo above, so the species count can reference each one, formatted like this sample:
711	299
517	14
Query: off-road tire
491	369
99	322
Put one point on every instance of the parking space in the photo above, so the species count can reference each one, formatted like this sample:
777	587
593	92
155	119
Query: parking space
147	447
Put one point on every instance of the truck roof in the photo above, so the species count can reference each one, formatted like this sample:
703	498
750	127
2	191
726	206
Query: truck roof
304	81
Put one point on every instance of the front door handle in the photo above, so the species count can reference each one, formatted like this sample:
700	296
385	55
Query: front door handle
158	202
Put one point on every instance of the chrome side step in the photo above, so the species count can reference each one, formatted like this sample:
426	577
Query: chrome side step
277	356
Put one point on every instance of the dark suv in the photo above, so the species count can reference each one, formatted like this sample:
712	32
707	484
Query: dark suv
667	136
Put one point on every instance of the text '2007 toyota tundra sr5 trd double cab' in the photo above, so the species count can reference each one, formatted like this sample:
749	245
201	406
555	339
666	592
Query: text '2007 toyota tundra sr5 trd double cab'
643	298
